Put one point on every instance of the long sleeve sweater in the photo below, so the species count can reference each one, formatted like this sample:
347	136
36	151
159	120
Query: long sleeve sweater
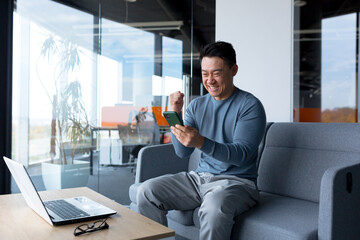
232	128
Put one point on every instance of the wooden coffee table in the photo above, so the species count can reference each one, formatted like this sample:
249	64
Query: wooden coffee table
18	221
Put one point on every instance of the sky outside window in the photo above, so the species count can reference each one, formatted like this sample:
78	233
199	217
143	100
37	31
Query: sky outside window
338	57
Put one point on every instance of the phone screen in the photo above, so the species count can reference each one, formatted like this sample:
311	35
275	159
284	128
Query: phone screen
172	118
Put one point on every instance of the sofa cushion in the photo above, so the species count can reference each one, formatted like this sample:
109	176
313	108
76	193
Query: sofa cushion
278	218
296	155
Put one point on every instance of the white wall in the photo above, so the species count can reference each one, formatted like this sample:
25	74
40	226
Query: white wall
261	33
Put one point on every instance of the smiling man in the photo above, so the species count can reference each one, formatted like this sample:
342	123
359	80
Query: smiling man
226	125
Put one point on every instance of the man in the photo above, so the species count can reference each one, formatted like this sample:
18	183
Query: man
226	125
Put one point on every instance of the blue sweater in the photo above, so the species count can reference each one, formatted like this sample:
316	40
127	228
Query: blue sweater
233	129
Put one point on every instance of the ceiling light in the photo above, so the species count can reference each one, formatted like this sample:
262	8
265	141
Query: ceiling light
150	26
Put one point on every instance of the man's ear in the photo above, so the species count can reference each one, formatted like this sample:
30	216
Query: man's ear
234	69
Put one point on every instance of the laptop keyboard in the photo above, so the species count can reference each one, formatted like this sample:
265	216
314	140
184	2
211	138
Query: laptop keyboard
65	210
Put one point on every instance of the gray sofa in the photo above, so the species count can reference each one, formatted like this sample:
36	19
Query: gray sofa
309	182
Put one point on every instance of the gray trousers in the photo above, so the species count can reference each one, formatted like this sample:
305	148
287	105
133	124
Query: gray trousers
220	198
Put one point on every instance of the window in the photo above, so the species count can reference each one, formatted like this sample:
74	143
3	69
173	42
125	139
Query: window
338	69
326	51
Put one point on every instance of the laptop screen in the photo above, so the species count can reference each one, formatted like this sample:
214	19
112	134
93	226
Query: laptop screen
27	188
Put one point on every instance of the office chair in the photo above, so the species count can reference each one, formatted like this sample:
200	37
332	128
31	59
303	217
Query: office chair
142	130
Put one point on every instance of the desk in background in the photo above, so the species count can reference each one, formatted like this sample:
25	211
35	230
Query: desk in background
125	155
18	221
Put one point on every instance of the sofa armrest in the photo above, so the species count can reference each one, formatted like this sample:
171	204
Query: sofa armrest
157	160
339	203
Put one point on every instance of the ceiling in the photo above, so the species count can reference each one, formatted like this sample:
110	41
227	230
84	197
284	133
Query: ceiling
142	11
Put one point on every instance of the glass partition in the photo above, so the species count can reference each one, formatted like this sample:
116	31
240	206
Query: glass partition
53	86
326	61
141	63
90	82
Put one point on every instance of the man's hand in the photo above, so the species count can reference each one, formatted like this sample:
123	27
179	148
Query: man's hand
188	136
177	101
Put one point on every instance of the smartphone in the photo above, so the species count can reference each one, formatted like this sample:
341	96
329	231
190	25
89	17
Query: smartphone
172	118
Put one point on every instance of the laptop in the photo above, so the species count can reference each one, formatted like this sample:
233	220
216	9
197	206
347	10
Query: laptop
56	212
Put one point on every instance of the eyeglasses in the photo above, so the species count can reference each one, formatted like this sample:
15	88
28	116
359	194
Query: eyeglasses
96	226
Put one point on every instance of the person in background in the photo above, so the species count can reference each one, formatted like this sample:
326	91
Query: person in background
227	126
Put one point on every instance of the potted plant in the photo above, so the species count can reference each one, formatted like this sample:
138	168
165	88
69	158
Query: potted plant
70	128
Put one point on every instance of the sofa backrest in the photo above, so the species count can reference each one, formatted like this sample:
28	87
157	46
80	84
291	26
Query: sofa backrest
296	155
262	144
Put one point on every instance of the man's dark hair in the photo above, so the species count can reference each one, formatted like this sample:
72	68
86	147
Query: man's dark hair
220	49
